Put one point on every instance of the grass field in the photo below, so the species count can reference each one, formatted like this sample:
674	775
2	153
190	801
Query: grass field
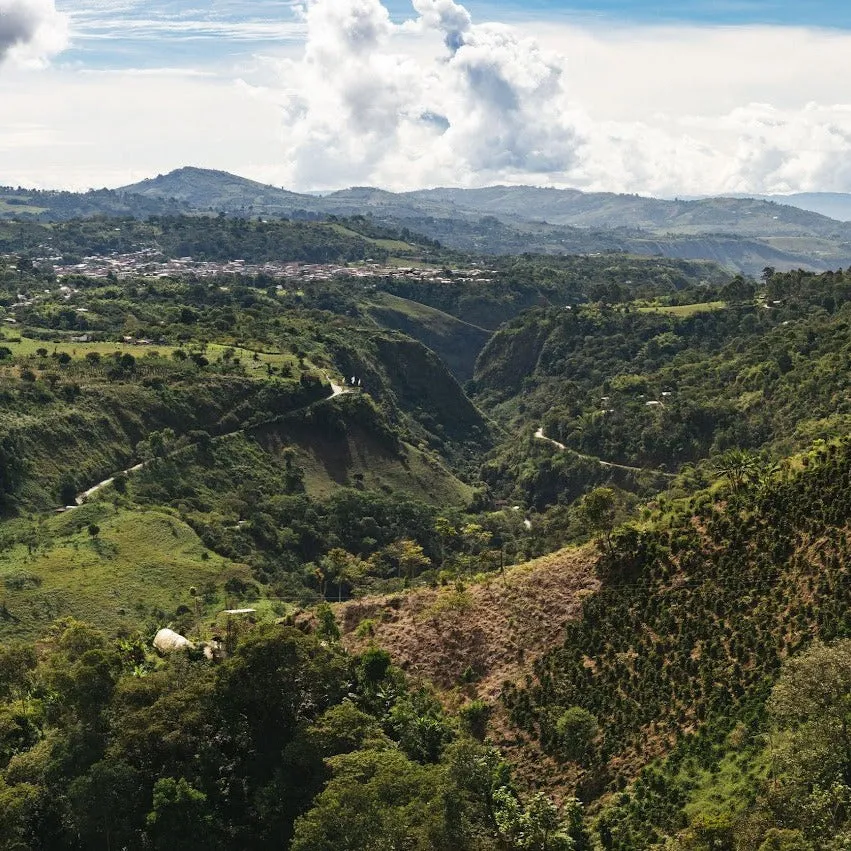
438	320
27	347
727	790
327	466
393	245
684	310
406	262
135	572
16	209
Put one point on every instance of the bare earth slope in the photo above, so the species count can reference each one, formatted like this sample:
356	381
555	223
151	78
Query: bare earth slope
486	633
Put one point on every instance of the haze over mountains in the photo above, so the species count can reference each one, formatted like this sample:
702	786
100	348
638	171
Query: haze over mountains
745	234
836	205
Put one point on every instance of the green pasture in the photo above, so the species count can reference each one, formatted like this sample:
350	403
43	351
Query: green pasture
684	310
135	571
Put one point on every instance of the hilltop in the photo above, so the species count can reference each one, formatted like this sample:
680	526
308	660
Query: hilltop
743	234
207	189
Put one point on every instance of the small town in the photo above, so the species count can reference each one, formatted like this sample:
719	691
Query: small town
150	263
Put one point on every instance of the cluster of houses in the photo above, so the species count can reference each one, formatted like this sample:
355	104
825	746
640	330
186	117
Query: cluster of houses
150	263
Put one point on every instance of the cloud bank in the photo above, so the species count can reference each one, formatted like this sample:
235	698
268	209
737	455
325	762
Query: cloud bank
465	102
442	99
345	94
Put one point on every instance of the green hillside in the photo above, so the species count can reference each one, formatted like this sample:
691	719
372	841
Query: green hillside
667	389
457	343
697	614
136	571
517	553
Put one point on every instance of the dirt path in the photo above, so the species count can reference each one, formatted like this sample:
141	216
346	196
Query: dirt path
336	389
539	434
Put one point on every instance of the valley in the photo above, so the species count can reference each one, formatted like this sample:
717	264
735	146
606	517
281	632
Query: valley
520	551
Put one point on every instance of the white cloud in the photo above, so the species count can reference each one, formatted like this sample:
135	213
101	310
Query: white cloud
446	99
30	31
485	105
88	130
443	99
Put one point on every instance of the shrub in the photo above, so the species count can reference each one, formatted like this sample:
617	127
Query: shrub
474	718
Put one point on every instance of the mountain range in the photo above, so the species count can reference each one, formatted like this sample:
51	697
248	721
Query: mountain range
745	234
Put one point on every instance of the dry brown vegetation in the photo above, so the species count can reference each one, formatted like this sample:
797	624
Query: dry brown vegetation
467	641
478	635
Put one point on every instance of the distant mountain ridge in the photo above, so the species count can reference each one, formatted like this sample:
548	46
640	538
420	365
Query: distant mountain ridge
210	189
745	234
751	217
744	216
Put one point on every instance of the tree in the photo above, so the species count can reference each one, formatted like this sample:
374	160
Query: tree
278	680
785	840
24	265
474	717
68	489
810	747
20	806
418	723
740	468
17	662
598	508
375	799
539	825
409	557
326	623
738	291
446	533
373	667
341	566
180	818
577	732
12	468
105	804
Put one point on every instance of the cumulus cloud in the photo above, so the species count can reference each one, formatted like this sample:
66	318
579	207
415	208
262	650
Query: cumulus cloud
30	30
443	99
487	103
440	99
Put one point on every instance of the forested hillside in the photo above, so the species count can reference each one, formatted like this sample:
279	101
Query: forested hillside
323	536
204	238
663	388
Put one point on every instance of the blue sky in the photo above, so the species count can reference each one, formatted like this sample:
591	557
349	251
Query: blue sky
820	13
148	33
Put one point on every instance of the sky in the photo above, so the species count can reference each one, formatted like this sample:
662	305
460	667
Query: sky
656	98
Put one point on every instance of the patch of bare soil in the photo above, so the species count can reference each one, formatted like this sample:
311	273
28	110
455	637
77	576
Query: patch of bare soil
480	635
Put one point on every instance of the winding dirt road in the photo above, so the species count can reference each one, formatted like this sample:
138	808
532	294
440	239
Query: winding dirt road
539	434
336	390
